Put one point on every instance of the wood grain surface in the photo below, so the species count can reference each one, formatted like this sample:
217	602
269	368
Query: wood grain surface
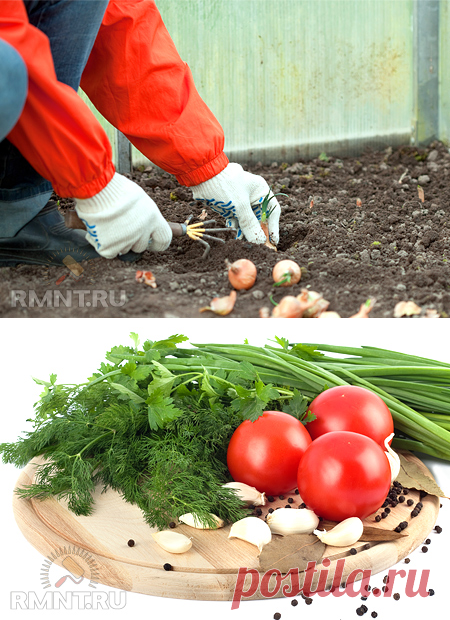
208	571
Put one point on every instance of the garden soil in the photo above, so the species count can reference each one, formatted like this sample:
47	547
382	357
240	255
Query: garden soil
358	228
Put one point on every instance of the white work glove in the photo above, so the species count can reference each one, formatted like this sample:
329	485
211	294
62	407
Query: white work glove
121	218
237	196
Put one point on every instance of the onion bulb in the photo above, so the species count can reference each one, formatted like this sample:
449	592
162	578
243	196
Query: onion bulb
286	273
241	273
221	305
329	315
317	304
288	308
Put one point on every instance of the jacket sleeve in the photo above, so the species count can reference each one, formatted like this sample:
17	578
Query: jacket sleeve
56	132
138	82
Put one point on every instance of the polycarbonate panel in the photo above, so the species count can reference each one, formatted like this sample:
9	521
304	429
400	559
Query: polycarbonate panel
444	71
291	78
297	77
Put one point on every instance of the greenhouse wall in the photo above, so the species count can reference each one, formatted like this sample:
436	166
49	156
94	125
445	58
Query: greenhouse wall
294	78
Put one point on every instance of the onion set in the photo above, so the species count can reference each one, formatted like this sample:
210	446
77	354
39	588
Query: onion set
286	273
241	273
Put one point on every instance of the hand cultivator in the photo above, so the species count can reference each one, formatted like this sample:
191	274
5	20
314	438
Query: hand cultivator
197	232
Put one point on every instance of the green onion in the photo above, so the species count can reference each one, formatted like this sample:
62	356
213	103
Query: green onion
416	389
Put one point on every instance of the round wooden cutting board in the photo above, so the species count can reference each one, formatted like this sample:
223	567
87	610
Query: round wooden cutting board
97	546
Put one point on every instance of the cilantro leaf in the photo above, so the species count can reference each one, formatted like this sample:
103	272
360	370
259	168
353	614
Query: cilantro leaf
297	405
252	403
161	410
163	379
124	390
306	352
170	343
135	338
283	342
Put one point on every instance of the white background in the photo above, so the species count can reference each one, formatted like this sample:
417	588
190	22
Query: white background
74	348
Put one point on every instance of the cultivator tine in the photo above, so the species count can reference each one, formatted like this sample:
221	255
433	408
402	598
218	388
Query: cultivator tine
207	246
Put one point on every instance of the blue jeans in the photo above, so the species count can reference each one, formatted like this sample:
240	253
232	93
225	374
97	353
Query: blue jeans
71	27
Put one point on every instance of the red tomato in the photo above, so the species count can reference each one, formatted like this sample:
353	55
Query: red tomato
344	474
351	408
265	454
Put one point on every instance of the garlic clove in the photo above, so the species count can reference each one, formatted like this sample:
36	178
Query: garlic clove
252	530
285	521
193	521
173	542
247	494
393	458
345	533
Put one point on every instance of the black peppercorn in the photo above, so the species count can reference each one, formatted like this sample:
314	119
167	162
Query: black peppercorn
415	512
353	551
308	600
258	512
359	612
410	502
428	541
277	616
167	566
297	491
396	596
288	506
407	560
438	529
386	579
294	602
378	518
374	614
401	498
387	510
281	497
424	549
172	524
430	592
364	608
270	510
302	505
383	515
290	500
131	543
405	491
403	525
270	498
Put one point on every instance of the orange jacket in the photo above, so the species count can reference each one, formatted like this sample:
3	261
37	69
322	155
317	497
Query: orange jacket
136	79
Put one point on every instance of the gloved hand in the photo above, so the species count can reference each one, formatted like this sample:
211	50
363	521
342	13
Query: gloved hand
121	218
237	196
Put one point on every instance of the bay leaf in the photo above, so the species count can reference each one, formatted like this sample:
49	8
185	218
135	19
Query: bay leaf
293	551
375	534
411	476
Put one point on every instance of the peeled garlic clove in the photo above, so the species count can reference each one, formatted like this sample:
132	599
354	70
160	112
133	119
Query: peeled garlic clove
172	541
191	519
286	521
247	494
393	458
345	533
252	530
